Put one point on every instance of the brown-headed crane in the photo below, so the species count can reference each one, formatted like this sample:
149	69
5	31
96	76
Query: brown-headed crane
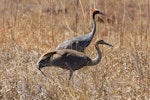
71	60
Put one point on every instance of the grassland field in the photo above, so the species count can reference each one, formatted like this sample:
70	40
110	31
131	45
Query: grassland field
30	28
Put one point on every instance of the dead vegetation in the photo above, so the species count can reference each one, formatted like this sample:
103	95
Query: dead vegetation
30	28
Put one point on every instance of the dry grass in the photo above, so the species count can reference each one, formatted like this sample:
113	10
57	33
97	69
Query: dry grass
29	28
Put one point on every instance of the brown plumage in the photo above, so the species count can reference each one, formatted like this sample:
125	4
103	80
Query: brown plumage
70	59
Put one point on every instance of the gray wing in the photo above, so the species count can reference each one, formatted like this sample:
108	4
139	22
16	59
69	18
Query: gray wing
77	43
76	60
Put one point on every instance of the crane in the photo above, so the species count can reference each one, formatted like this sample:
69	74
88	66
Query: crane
71	60
79	43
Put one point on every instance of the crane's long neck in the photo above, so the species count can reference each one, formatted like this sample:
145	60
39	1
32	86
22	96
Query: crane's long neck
94	27
98	58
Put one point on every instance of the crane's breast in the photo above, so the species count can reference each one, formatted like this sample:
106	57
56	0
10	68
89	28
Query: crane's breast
76	60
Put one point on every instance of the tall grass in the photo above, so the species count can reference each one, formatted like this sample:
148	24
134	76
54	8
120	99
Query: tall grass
29	29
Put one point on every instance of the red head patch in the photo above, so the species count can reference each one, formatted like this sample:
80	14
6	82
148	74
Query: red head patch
95	11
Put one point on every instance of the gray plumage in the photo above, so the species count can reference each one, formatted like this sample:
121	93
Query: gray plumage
79	43
70	59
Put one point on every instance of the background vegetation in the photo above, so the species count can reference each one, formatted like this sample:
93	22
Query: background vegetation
30	28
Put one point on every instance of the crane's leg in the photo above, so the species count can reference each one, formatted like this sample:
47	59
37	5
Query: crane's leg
70	76
71	73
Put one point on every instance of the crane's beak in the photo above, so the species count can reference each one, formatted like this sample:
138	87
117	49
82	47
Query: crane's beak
101	13
108	44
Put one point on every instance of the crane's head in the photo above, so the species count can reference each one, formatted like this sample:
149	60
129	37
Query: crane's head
96	11
45	60
103	42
